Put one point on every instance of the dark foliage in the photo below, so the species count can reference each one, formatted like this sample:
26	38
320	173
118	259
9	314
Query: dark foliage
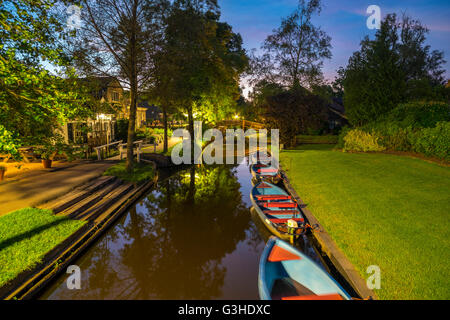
293	112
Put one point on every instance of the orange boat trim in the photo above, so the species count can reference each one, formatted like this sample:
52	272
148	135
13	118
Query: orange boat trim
332	296
279	254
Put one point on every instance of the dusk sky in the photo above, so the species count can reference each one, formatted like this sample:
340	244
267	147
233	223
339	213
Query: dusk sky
343	20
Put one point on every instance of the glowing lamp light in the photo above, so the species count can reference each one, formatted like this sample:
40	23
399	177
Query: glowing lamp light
236	116
103	117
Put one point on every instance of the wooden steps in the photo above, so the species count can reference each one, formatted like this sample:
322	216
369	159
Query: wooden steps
92	200
115	206
99	203
79	193
108	201
89	199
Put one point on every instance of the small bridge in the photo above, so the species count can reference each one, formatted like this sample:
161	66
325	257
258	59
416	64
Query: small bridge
244	124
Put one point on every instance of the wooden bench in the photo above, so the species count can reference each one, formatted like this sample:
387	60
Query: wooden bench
26	153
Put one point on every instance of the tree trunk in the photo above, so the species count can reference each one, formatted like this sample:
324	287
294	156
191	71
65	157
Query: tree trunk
166	142
133	89
191	132
131	128
133	92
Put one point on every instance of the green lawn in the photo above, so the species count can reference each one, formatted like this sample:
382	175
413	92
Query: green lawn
26	235
384	210
141	172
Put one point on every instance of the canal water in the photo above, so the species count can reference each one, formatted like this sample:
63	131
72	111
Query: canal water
193	237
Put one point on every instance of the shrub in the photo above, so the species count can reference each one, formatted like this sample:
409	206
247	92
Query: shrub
160	131
342	134
145	134
418	114
434	142
392	136
400	129
358	140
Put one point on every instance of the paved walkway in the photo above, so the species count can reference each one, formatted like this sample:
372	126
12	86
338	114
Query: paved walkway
39	188
159	148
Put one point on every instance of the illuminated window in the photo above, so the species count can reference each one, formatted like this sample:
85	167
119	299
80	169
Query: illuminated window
115	96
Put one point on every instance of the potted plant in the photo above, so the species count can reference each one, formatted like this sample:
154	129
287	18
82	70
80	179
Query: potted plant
2	172
46	152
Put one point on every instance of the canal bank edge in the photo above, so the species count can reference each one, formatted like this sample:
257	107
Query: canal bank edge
30	282
329	247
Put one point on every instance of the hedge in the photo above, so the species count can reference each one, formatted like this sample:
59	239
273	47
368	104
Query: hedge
416	127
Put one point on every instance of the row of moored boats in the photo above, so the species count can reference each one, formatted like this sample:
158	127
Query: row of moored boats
285	273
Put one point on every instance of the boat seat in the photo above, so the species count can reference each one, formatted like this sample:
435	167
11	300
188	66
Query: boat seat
263	186
332	296
286	220
273	197
260	165
287	287
267	170
280	212
279	205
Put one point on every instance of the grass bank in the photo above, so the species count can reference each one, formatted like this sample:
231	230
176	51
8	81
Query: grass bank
141	172
383	210
26	236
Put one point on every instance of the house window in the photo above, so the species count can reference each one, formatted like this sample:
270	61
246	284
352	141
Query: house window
115	96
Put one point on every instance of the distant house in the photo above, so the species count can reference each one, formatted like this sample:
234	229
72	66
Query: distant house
109	97
336	114
141	111
152	112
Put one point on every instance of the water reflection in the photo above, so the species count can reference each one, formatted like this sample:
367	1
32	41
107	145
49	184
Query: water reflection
192	238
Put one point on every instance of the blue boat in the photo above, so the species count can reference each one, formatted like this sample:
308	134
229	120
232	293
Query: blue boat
261	172
276	209
287	274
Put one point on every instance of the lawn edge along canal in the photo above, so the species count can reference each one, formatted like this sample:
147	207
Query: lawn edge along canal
327	247
30	282
381	210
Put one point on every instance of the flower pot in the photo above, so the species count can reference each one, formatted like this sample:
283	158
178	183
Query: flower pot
47	163
2	175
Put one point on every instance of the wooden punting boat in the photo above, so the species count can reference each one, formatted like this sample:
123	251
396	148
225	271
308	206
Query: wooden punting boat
287	274
276	208
262	172
258	157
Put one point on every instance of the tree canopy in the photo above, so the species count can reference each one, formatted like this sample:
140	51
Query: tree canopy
294	53
33	102
199	61
387	70
294	111
116	39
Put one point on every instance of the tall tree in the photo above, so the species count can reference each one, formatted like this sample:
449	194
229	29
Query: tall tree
33	101
294	111
116	39
385	71
202	59
296	50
